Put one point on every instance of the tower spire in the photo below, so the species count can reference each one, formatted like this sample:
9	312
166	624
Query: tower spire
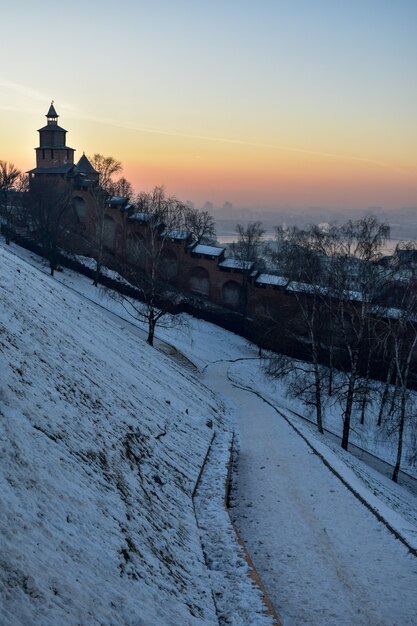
52	115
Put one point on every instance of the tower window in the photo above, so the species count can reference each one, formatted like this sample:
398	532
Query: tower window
52	154
43	154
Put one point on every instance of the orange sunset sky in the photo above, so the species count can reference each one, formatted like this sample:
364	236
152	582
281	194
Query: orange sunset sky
266	105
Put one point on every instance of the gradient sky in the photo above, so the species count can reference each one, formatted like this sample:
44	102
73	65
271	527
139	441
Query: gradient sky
265	104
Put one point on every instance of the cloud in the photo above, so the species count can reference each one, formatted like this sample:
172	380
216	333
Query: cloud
22	90
21	98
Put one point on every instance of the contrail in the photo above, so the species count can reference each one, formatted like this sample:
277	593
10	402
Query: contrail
29	93
253	144
22	90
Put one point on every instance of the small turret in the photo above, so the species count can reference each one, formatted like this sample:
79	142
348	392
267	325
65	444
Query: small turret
52	115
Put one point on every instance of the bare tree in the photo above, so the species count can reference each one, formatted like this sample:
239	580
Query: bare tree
123	187
201	225
356	280
335	280
160	216
246	251
48	202
386	391
401	339
248	246
299	256
304	380
9	177
107	168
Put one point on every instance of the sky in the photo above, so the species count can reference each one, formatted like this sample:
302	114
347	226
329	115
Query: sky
269	104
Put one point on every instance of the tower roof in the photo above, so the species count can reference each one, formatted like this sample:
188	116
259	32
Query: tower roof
60	169
52	112
52	128
85	166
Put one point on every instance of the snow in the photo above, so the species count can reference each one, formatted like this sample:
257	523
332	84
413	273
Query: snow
207	250
236	264
140	216
318	546
90	263
103	439
323	557
271	279
367	437
226	559
117	200
176	234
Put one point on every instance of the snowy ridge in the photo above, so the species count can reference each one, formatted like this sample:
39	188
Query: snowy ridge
238	600
102	441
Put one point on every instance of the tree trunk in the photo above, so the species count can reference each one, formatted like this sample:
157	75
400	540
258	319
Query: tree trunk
330	385
385	393
400	438
97	271
331	331
99	259
366	389
403	376
151	330
317	373
348	414
52	261
364	401
393	398
319	411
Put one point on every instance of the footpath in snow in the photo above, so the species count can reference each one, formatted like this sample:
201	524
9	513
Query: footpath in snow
323	557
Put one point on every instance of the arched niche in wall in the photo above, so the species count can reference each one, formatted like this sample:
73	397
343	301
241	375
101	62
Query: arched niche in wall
135	249
199	281
168	264
80	208
109	233
232	294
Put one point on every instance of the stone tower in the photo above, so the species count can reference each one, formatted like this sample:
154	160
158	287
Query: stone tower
53	156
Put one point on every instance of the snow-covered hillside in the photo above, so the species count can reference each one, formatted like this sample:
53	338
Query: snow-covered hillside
102	440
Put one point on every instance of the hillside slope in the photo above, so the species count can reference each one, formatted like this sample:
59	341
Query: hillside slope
102	440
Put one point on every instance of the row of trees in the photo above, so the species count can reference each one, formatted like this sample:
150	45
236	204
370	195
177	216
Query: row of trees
353	320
